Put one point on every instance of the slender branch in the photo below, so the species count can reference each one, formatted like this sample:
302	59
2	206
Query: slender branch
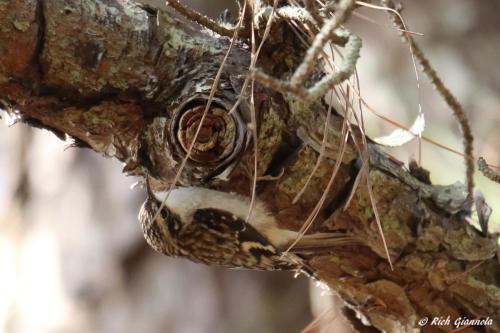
202	20
342	13
312	8
295	85
450	99
487	171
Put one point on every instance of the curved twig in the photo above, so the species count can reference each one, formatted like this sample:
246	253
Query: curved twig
202	20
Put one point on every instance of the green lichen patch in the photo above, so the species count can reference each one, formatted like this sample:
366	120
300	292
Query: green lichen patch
430	239
299	172
21	25
269	138
463	246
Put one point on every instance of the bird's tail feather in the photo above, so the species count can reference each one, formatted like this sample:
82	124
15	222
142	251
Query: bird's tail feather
323	242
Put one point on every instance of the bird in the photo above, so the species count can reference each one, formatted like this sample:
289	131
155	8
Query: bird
209	226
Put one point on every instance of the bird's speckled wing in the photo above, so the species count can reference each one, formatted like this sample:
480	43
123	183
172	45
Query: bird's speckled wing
219	238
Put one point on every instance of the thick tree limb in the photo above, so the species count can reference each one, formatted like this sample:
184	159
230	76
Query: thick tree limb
111	74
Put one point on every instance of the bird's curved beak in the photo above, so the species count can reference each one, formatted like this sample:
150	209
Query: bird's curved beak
148	188
158	195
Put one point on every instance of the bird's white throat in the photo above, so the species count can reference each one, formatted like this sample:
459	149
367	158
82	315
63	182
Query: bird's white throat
184	201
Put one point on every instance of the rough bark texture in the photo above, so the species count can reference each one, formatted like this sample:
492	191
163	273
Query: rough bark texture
111	75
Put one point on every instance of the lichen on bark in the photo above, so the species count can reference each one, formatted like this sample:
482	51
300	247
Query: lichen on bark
111	74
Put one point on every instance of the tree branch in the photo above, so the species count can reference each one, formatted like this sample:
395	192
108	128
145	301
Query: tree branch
113	75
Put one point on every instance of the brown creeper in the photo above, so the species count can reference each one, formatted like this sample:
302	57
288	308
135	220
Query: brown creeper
208	226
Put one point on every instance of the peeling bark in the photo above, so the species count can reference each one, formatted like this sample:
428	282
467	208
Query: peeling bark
112	75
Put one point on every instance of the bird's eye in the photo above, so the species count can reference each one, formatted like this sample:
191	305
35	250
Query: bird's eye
173	225
218	135
163	213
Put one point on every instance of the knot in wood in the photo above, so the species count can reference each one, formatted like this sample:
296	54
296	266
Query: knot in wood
216	138
212	139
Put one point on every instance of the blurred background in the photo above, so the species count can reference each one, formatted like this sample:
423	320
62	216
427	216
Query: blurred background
72	256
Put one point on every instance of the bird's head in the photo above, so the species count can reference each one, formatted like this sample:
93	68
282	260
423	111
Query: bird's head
159	225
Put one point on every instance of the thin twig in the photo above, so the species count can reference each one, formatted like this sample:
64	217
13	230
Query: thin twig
201	19
372	21
295	85
364	171
342	13
377	219
323	317
465	273
487	171
425	138
253	128
321	87
452	102
311	8
307	224
322	150
253	61
404	31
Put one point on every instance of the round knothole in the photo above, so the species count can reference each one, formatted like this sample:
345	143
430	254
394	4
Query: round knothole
220	137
